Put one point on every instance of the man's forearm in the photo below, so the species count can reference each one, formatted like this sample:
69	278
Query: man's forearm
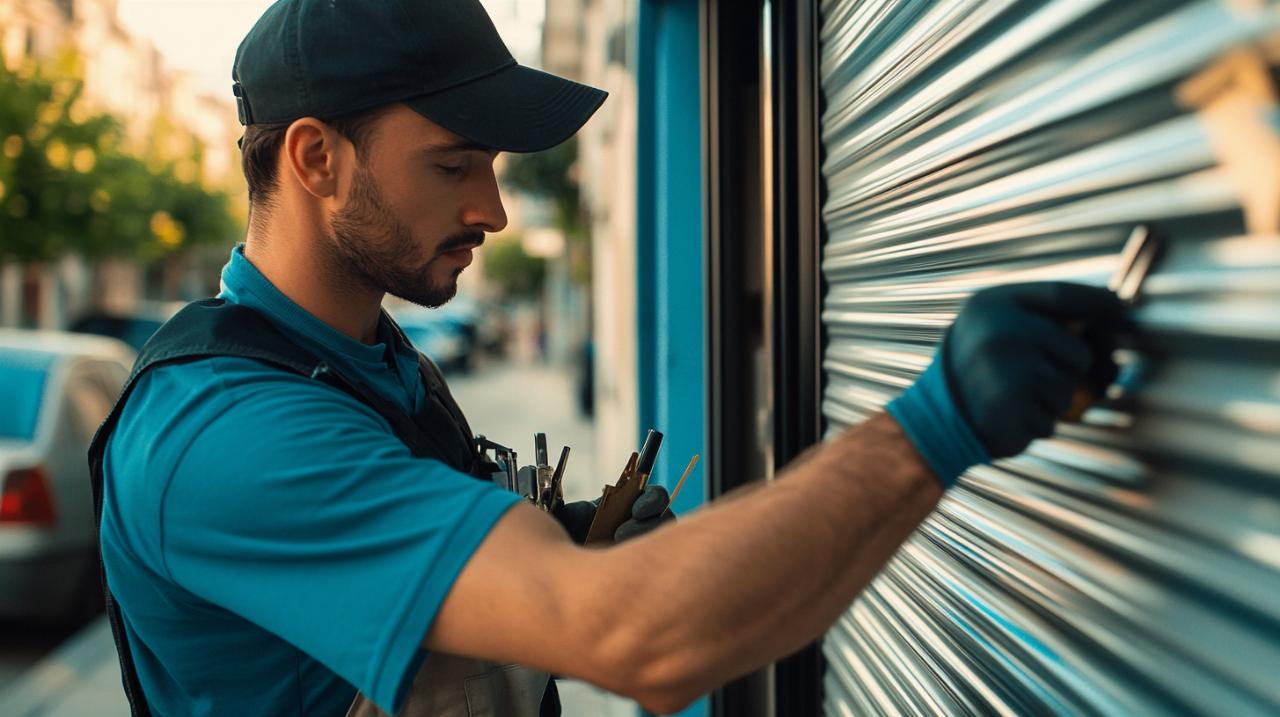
683	609
739	585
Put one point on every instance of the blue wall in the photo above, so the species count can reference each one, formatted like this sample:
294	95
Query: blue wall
669	240
669	245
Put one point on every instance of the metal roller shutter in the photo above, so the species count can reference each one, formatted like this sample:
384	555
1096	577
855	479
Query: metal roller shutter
1131	565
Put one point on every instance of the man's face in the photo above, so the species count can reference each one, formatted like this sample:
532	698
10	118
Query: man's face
420	199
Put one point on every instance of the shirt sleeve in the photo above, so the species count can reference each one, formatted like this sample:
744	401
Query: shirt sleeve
296	508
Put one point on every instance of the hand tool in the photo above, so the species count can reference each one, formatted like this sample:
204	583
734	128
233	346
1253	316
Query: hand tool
504	459
512	472
615	505
543	472
1136	259
540	448
688	469
527	483
557	479
648	456
616	500
539	483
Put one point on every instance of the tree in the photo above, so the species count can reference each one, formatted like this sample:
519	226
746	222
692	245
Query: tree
68	185
506	264
550	175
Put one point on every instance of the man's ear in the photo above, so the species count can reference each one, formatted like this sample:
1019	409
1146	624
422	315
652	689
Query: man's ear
313	152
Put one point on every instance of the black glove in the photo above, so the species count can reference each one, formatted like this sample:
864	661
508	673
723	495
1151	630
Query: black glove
576	518
1006	372
1014	365
648	512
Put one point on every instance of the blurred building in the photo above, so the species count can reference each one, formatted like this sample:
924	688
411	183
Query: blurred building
126	77
520	24
586	40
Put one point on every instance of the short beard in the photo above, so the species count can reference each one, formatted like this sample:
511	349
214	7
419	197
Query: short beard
370	243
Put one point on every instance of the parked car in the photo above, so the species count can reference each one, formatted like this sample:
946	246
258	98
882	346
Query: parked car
55	390
482	325
437	336
133	328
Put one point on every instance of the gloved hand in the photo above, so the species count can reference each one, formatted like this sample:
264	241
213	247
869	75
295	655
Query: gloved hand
1006	372
648	512
576	518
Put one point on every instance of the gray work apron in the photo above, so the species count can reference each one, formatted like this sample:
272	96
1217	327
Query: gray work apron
449	686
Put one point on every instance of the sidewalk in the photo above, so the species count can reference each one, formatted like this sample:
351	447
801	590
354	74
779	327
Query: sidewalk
80	678
508	403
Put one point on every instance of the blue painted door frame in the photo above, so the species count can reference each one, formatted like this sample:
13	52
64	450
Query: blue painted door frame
670	265
669	239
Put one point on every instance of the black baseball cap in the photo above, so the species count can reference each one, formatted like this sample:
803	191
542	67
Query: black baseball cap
443	58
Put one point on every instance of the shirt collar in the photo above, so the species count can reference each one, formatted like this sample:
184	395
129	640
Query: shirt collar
243	284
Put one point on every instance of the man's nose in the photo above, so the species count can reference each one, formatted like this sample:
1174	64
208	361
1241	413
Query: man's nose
486	212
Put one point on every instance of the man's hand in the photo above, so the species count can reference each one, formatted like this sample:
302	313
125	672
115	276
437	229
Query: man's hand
576	518
648	512
668	618
1006	371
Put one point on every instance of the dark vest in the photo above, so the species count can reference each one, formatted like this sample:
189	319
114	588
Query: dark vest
213	327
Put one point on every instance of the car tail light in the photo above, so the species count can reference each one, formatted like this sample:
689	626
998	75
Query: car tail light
25	497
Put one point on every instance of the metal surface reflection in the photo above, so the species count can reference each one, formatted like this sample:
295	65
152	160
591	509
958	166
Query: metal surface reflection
1130	565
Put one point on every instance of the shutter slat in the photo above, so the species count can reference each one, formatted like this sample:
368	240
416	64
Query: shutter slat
1130	564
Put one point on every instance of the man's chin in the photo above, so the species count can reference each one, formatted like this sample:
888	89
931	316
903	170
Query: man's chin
432	298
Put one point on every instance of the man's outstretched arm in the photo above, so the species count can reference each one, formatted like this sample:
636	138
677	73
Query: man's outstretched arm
771	572
668	616
671	615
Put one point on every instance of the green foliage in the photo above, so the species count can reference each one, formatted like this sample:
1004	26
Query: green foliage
549	174
506	265
68	185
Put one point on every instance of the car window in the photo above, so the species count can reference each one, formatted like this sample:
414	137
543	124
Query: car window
90	403
110	375
133	330
23	374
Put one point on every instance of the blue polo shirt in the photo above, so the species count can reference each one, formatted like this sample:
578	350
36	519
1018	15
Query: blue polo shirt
272	545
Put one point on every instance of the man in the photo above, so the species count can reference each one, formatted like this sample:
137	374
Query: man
287	515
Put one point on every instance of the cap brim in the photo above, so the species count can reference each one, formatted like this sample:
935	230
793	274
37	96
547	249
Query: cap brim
516	109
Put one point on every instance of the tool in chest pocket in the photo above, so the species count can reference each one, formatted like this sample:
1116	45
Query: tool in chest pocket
540	484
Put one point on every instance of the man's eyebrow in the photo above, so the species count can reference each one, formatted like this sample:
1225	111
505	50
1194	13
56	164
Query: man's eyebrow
460	145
